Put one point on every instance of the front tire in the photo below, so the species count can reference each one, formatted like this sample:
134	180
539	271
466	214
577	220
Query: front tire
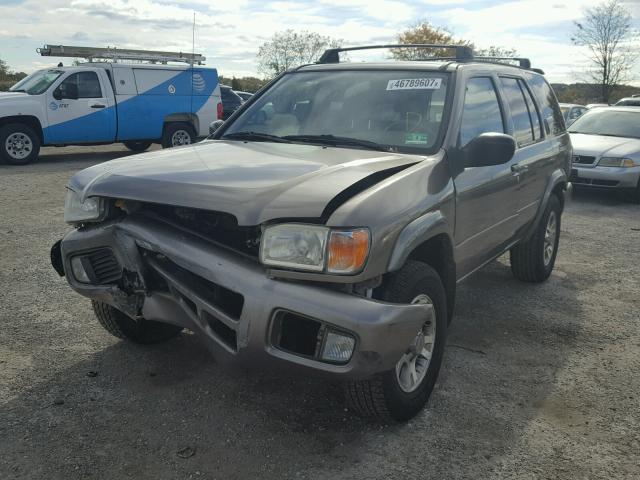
19	144
533	260
139	331
177	135
137	146
401	393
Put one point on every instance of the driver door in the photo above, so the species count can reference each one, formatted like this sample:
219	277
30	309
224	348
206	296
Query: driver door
79	110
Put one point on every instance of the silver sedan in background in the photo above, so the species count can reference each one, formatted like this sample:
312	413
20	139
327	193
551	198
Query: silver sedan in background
606	150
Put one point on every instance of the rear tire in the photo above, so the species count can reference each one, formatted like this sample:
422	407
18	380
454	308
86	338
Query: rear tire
384	396
533	260
19	144
137	146
178	134
139	331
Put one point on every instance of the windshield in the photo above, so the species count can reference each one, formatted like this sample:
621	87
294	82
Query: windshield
608	122
37	82
395	110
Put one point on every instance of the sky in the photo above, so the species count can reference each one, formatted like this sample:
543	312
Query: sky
229	32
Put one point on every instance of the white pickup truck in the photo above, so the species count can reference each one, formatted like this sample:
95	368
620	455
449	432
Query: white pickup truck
101	103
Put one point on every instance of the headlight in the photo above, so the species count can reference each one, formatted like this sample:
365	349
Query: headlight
315	248
76	211
617	162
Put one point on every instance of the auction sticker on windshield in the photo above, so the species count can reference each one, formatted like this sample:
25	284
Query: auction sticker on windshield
414	84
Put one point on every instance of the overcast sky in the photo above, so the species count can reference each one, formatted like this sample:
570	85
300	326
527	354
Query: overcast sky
229	32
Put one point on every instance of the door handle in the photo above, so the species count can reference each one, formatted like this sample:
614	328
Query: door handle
98	105
517	169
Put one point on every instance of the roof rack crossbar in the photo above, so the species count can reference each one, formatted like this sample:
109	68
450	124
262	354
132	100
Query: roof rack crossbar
113	53
523	62
332	55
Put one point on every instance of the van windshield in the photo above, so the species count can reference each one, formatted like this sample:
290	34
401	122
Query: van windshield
394	110
37	82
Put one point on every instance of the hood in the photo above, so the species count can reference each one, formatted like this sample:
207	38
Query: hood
254	181
599	145
11	95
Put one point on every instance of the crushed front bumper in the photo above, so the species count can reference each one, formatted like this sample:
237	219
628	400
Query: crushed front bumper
171	276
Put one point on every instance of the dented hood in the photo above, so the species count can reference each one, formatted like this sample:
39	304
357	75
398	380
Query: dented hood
254	181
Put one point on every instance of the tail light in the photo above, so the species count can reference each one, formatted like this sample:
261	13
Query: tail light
220	111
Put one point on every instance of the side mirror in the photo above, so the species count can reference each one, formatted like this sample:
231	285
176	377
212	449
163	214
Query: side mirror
57	94
489	149
213	126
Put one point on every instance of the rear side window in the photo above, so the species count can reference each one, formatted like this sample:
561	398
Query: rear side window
552	118
522	129
533	111
481	111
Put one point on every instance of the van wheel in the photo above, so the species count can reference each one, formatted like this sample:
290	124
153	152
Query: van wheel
19	144
533	260
178	134
401	393
139	331
137	146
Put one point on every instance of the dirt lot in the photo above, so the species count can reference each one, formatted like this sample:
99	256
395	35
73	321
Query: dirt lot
538	381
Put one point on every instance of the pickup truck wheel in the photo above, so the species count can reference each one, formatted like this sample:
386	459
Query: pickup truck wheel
533	260
137	146
178	134
139	331
401	393
19	144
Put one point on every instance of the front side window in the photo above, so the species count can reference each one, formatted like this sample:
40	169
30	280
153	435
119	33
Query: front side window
481	113
87	84
522	128
37	83
397	110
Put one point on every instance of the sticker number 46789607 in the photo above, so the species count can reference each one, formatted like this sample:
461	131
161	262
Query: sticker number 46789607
414	83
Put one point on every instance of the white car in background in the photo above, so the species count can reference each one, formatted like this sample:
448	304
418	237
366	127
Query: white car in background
606	150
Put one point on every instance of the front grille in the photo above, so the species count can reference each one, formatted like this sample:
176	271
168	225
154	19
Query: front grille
104	266
584	159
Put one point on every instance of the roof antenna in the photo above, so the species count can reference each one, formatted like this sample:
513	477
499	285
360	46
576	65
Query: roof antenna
193	39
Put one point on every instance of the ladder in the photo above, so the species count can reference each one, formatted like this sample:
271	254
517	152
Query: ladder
115	54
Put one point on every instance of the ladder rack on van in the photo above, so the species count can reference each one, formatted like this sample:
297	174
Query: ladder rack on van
115	54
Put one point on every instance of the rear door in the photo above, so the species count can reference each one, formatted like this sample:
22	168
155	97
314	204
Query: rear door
485	207
89	118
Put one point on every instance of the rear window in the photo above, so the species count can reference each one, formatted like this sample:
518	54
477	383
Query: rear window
552	118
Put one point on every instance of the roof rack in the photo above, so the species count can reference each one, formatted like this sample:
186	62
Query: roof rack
115	54
463	54
332	55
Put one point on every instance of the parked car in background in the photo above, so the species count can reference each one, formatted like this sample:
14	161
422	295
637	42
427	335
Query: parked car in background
325	227
606	150
104	102
628	102
596	105
231	101
571	111
244	95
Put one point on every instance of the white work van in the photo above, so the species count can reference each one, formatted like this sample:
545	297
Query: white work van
101	103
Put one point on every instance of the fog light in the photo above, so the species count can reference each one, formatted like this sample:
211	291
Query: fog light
338	347
79	272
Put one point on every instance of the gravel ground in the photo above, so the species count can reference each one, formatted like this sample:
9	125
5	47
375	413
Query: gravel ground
539	381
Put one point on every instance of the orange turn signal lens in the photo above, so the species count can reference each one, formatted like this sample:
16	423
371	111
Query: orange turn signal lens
348	250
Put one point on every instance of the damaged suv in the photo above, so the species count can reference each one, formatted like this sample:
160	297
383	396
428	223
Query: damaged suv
325	225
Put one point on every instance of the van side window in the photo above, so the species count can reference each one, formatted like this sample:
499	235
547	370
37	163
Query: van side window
522	129
533	111
87	83
552	118
481	112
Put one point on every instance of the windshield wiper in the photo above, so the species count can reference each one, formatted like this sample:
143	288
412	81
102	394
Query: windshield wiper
255	136
18	90
338	141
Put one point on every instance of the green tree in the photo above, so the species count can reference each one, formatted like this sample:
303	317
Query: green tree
609	39
289	49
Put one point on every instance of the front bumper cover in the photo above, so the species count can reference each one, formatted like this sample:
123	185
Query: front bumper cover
147	248
605	177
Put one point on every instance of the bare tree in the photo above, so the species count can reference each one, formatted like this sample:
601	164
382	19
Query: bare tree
289	49
607	34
